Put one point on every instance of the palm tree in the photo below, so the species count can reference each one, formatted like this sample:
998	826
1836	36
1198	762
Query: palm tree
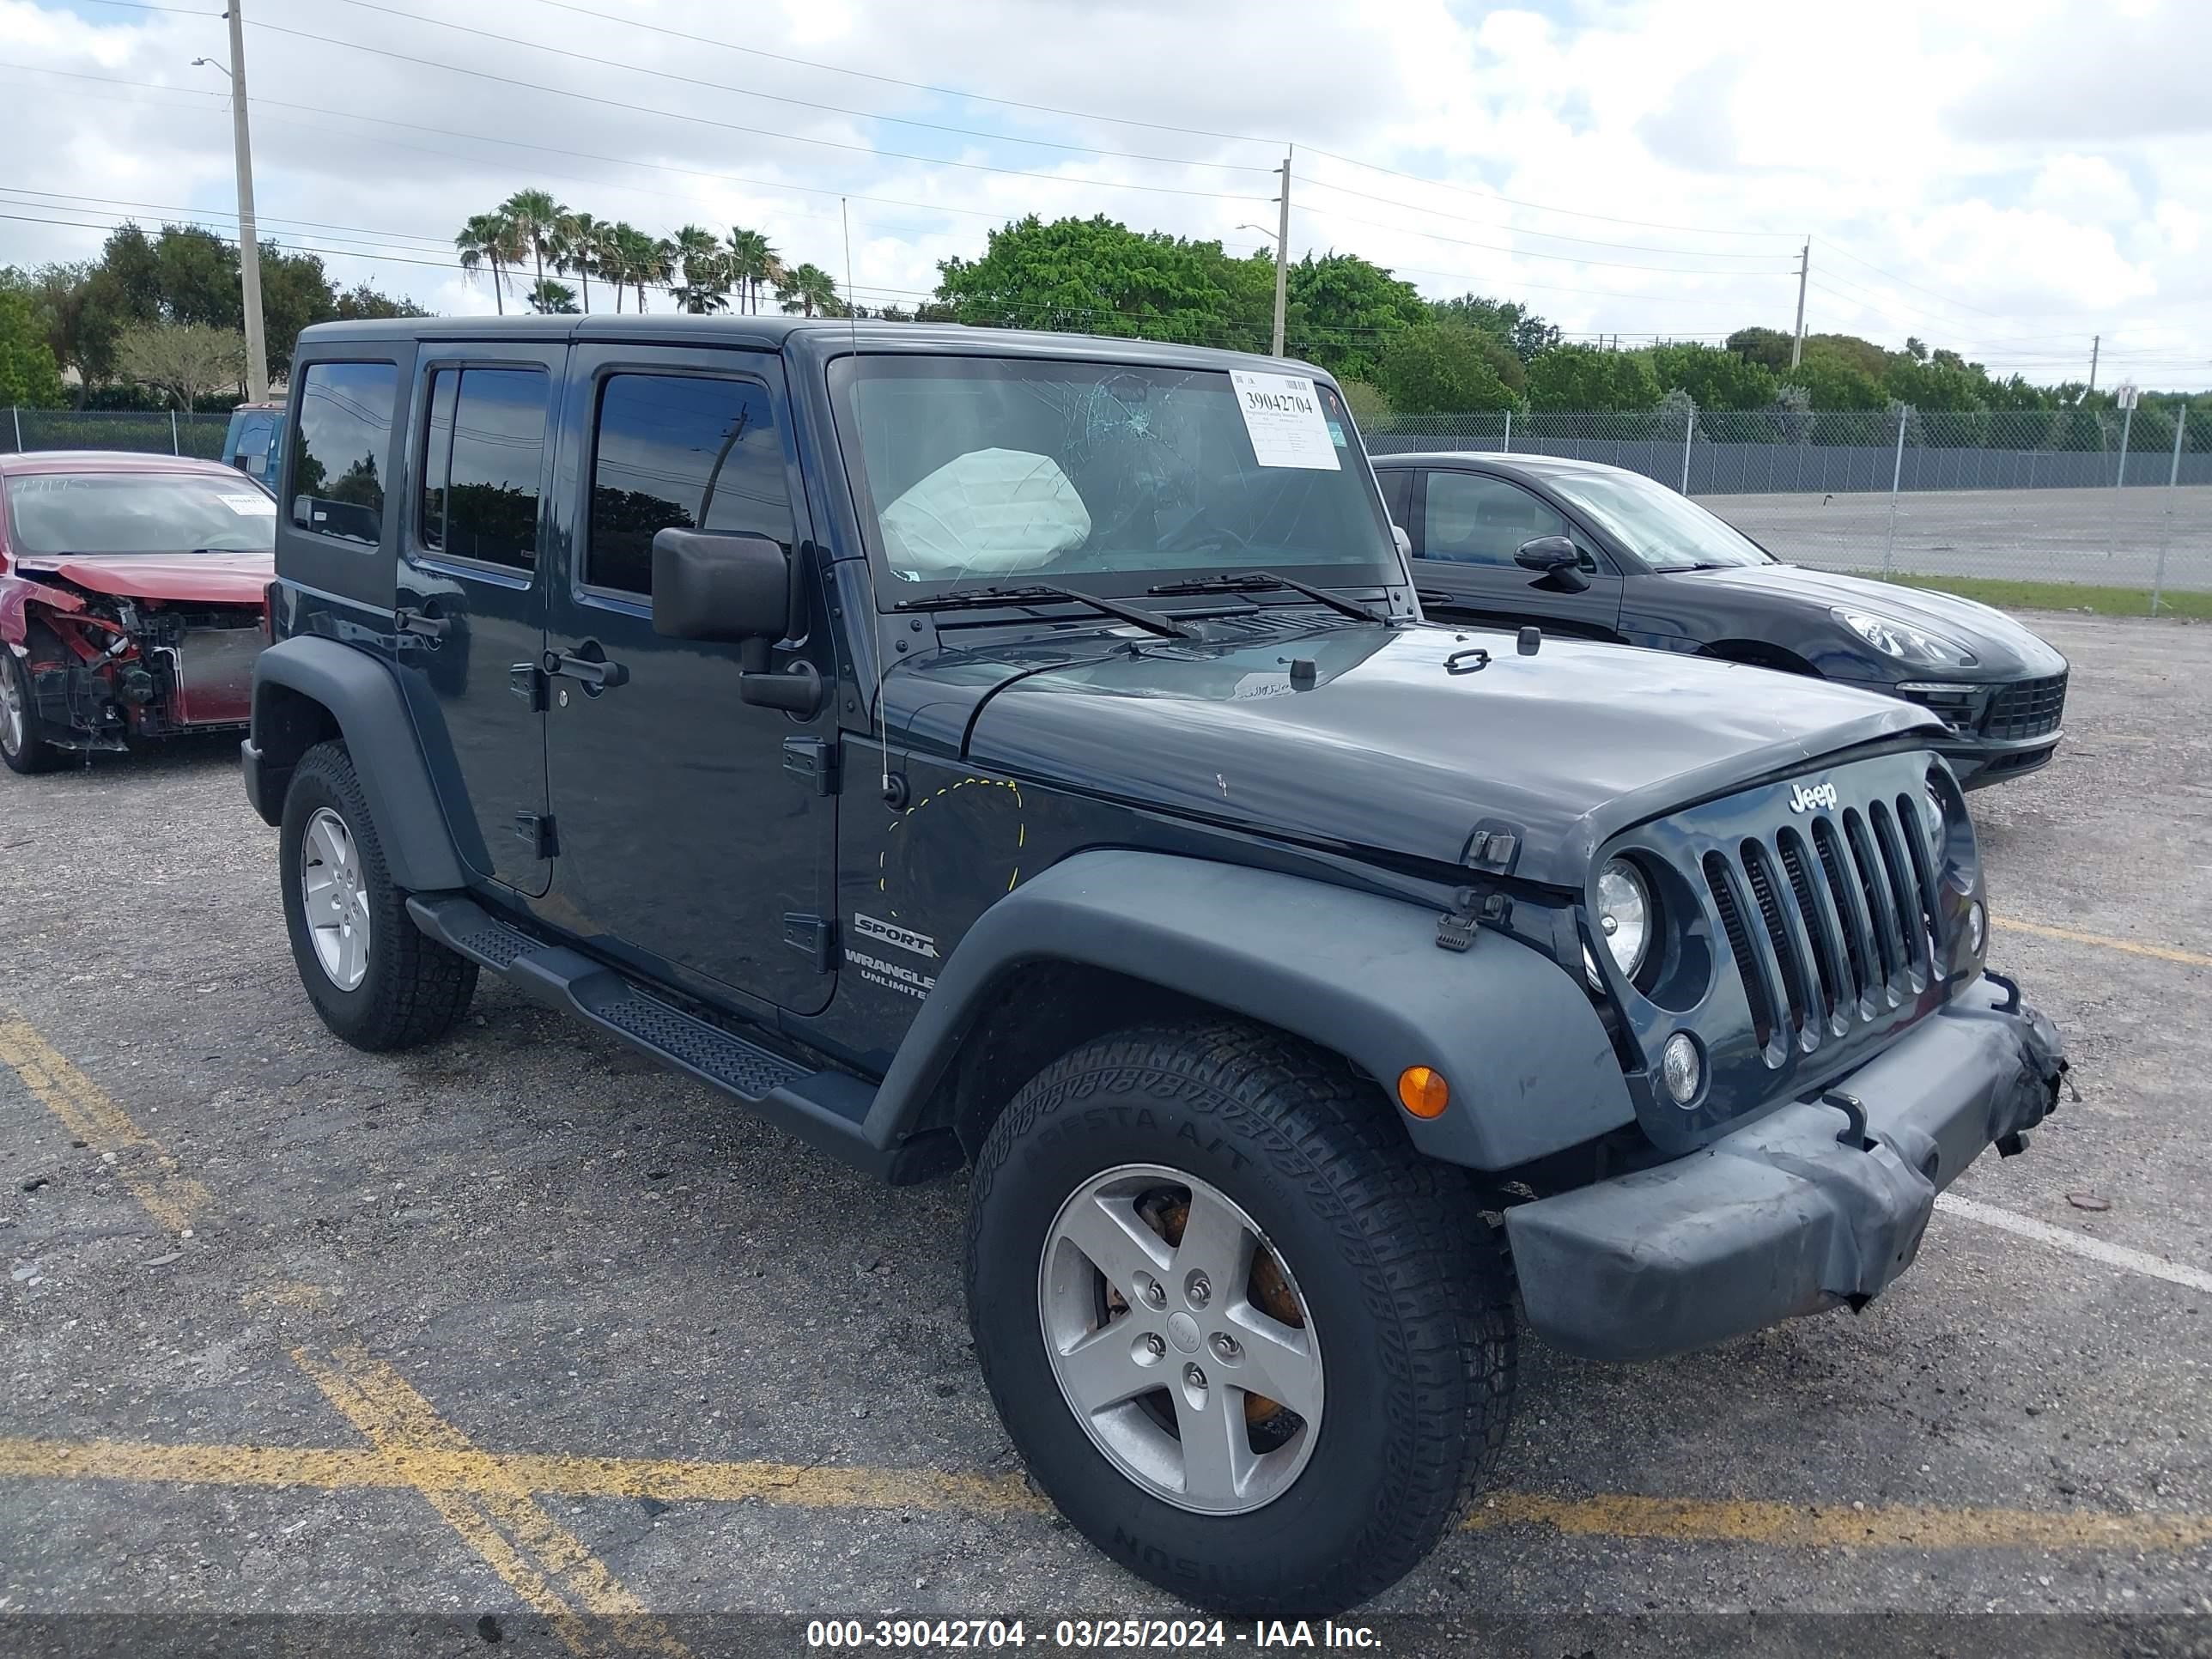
811	291
537	216
633	259
551	298
491	239
656	264
706	271
578	244
753	261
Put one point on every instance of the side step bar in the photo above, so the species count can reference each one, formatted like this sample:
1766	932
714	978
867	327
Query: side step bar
826	1109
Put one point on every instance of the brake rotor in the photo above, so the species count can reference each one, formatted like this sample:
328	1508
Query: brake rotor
1268	1289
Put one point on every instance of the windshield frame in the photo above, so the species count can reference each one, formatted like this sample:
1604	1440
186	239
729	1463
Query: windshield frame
1387	575
1559	483
229	481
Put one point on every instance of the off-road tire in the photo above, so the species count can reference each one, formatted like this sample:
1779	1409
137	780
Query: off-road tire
1409	1293
415	987
34	754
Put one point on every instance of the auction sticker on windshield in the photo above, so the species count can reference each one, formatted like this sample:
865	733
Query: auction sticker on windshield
1283	416
251	506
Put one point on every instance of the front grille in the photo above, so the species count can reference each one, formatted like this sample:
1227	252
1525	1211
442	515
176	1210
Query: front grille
1827	954
2029	708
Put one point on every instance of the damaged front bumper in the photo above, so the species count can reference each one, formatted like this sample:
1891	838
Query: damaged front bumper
1803	1210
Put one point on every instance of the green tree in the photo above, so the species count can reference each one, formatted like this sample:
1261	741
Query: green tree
536	218
1438	369
1343	309
295	292
753	261
550	298
28	374
1579	379
185	360
638	260
362	302
1098	276
810	290
1767	347
1506	320
1714	378
700	259
1366	402
580	244
491	240
1935	386
1833	383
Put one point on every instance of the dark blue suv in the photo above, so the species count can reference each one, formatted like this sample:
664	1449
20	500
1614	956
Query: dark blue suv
1030	752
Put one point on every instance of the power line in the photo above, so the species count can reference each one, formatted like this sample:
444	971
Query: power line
1585	241
597	62
911	86
749	132
1531	253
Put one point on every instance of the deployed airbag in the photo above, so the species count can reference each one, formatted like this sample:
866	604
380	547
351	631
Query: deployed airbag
990	510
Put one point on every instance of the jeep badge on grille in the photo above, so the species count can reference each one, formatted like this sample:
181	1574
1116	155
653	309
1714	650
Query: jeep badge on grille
1804	797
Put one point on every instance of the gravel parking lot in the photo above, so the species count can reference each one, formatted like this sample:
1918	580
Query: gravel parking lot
520	1327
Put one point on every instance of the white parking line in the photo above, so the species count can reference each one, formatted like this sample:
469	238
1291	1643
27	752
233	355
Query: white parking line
2059	1238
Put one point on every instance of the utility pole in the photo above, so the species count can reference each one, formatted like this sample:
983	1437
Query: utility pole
2095	342
1283	250
249	247
1804	270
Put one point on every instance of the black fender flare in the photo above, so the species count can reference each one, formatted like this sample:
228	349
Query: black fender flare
364	701
1530	1068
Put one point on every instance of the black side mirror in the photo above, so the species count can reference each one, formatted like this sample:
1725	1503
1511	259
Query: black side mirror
1557	557
734	590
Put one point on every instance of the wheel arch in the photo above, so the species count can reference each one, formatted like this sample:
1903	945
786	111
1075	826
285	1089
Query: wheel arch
308	690
1106	939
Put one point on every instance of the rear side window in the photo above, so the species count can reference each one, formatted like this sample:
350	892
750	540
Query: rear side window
483	446
339	444
1472	519
681	452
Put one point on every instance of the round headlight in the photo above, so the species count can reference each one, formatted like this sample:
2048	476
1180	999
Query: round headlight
1978	928
1624	914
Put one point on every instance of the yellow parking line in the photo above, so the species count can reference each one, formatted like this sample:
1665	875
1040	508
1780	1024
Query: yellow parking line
432	1458
543	1562
2161	952
1844	1526
142	1163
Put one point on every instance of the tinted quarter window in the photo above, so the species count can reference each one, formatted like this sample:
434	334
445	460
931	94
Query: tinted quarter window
483	445
1473	519
682	451
1397	497
338	448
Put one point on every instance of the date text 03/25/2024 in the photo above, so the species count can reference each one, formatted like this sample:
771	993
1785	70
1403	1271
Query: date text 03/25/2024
1123	1634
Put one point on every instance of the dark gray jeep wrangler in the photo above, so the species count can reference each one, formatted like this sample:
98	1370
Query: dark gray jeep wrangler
1028	752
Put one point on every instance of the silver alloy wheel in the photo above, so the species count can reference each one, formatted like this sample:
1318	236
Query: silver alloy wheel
332	899
13	718
1143	1333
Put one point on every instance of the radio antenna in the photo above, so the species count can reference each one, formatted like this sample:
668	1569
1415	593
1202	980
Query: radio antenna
853	332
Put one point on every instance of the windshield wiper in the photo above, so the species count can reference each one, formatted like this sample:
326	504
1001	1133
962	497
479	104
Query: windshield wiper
1260	581
969	599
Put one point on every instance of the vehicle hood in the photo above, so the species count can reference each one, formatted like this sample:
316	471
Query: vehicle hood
187	578
1400	743
2002	648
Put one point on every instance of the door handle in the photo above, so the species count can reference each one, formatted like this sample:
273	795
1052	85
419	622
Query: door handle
429	626
596	674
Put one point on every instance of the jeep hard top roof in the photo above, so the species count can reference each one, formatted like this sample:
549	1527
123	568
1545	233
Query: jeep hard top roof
824	336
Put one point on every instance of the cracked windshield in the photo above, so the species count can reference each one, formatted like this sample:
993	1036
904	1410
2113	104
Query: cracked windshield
979	468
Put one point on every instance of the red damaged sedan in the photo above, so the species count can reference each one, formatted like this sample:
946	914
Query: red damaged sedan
131	600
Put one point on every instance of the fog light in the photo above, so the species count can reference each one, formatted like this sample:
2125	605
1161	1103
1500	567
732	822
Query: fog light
1978	928
1684	1072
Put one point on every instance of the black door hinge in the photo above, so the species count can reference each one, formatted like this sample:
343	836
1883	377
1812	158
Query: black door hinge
1471	907
527	681
814	759
813	935
537	828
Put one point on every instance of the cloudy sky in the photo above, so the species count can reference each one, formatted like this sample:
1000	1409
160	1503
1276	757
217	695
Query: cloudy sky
2009	178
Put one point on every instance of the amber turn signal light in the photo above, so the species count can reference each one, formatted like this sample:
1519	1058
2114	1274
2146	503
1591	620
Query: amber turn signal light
1423	1092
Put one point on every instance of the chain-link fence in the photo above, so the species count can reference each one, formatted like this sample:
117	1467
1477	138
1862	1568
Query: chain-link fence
2120	498
2101	497
149	432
